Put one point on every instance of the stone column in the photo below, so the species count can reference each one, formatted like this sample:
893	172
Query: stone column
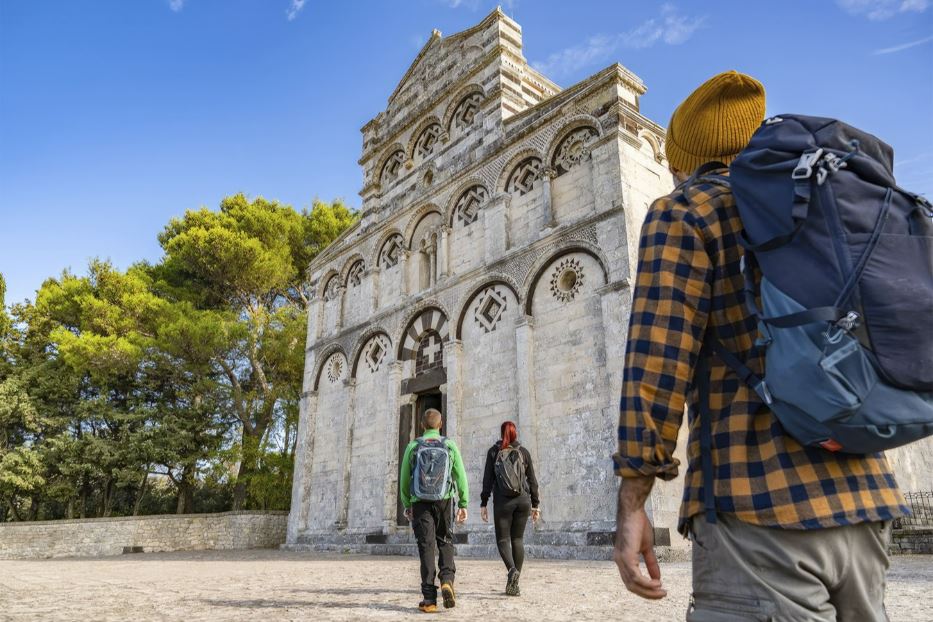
615	305
495	226
301	482
374	273
393	402
314	321
546	176
346	454
442	252
453	361
318	314
432	260
341	296
587	156
525	381
404	258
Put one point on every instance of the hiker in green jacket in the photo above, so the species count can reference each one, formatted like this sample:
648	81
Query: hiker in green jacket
432	472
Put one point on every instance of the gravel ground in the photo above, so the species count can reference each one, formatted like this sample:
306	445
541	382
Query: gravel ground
278	585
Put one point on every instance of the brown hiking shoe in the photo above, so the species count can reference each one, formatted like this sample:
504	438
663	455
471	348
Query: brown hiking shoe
427	606
450	598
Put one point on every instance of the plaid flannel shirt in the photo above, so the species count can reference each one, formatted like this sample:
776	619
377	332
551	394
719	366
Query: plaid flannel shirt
689	281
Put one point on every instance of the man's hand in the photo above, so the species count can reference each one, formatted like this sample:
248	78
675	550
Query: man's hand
462	515
484	514
408	514
634	537
535	514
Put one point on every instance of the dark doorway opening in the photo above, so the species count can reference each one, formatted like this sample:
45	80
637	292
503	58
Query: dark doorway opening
410	427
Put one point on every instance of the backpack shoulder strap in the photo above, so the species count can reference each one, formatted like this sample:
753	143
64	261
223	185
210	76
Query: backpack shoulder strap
706	434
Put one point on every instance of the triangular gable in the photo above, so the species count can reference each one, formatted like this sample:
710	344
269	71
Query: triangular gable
435	40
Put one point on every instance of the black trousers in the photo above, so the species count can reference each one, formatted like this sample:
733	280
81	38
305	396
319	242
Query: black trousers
510	515
432	523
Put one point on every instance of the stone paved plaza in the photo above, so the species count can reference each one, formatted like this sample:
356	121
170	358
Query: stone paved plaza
277	585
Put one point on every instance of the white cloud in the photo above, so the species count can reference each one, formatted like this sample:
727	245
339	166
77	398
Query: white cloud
295	8
903	46
671	27
882	9
176	5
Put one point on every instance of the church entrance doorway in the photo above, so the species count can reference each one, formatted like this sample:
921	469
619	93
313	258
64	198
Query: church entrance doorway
411	427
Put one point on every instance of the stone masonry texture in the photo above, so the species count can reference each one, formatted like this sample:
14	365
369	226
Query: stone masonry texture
110	536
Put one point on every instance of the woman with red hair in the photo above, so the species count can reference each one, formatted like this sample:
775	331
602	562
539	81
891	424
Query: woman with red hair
510	478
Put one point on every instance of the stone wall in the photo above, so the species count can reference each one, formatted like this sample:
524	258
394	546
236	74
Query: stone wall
112	536
912	541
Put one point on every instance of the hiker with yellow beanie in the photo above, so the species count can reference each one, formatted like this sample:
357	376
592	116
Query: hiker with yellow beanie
786	532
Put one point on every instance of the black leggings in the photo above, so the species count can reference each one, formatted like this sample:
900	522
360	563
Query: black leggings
510	516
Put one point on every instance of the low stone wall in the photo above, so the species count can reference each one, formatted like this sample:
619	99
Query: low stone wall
912	541
166	532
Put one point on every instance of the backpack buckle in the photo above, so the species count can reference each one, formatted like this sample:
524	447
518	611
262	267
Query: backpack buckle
761	388
804	168
831	163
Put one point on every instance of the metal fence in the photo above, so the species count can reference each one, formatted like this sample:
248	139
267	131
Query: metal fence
921	510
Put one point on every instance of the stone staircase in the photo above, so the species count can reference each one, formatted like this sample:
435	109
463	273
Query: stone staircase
539	544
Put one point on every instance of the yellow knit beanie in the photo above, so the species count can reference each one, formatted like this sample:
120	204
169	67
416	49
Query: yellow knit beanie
715	122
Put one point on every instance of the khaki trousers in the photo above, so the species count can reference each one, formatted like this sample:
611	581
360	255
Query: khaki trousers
746	572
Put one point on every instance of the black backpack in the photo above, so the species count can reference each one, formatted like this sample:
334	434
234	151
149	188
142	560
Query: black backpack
846	288
510	471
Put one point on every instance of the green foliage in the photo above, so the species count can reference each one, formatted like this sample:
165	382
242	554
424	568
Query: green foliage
166	387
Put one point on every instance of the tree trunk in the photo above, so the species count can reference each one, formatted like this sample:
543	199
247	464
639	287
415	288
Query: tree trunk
13	510
141	492
33	508
107	499
185	503
249	455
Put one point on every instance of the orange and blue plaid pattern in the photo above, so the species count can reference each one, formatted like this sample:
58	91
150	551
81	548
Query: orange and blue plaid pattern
689	281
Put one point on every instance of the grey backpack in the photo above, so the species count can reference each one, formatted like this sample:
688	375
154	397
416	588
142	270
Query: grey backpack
431	469
510	471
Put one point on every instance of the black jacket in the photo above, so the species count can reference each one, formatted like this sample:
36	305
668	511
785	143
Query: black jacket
490	485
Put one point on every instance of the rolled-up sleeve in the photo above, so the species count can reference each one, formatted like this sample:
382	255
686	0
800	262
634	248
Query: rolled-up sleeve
669	313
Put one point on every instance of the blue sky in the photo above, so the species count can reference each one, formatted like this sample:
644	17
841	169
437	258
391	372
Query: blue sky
117	115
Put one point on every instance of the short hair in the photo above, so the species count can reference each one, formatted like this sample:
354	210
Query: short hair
431	419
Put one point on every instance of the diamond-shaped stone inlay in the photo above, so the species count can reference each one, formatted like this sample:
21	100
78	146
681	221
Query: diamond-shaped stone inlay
522	179
469	204
567	279
392	167
391	251
375	353
466	111
489	309
427	140
355	275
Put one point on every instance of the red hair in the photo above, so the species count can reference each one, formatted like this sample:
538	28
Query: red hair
509	433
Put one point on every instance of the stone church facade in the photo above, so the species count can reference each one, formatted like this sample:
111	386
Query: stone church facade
489	277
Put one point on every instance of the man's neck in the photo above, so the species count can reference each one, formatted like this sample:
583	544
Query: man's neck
432	432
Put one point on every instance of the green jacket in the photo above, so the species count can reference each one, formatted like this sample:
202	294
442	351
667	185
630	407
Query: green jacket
457	473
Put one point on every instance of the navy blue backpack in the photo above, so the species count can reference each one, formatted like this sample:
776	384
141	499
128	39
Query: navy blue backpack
846	288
